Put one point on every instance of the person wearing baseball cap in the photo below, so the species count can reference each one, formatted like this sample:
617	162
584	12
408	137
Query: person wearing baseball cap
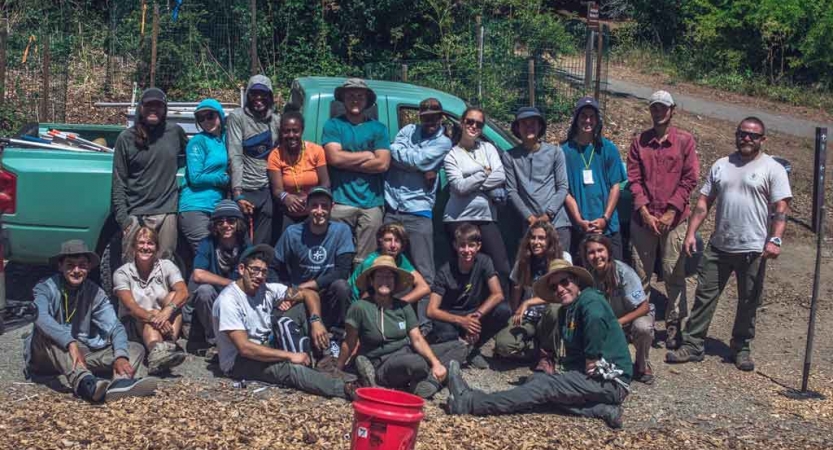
251	134
77	334
215	267
145	162
411	186
663	171
594	172
357	148
596	366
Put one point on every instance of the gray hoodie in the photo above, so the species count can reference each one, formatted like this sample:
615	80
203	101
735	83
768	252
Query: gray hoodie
249	140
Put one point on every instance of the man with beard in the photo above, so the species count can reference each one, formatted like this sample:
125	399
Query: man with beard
243	326
594	171
77	333
358	154
251	134
663	169
144	191
317	255
752	193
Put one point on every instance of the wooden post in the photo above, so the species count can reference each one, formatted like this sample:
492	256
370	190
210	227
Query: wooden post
600	52
531	81
253	50
404	73
154	38
44	92
4	30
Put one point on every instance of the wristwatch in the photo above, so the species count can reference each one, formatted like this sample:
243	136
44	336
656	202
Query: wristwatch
775	240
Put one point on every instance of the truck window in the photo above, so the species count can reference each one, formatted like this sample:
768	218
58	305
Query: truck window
407	115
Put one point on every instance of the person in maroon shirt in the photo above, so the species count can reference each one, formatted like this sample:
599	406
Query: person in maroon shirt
663	170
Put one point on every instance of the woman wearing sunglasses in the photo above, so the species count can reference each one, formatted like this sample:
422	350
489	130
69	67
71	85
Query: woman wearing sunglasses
476	183
206	172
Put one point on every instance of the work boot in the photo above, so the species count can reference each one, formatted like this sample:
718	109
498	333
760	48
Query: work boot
673	335
612	416
743	361
546	363
367	373
163	357
130	387
329	366
458	390
683	355
428	387
477	360
92	389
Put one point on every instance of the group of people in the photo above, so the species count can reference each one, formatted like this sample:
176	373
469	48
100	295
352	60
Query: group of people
314	264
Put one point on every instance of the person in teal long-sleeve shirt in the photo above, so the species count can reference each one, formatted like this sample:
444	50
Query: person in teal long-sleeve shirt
206	172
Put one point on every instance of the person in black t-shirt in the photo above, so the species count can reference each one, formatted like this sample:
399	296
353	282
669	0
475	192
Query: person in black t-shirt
466	298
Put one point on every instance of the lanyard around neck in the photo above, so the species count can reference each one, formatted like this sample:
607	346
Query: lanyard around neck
587	163
68	315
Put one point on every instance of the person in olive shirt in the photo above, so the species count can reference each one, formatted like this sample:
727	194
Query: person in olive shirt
590	334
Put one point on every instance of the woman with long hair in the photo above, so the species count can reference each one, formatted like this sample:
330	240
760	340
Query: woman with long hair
539	246
622	288
476	181
151	292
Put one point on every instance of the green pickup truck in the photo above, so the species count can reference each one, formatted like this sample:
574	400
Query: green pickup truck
50	196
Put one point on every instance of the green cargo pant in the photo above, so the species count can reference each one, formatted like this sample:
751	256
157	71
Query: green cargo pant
715	269
523	341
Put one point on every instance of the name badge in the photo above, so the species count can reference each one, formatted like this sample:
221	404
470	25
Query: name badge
401	325
587	176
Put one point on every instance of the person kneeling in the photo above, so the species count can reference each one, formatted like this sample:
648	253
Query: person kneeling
393	352
77	333
597	365
243	327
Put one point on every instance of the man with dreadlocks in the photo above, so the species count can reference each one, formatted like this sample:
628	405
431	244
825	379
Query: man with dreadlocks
594	171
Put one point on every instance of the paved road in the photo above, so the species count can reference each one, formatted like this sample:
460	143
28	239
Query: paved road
718	110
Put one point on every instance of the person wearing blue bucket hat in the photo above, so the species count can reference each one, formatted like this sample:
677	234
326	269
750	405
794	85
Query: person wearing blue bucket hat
206	172
594	172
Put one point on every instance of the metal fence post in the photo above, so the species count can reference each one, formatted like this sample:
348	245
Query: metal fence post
480	31
4	30
531	81
44	99
600	52
154	38
253	49
821	161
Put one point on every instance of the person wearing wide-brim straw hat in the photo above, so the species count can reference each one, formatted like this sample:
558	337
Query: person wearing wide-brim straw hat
393	353
593	343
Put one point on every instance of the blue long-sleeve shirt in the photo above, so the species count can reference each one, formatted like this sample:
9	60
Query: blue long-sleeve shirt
92	322
206	167
413	154
537	182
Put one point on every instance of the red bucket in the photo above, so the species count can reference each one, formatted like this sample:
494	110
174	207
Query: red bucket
385	419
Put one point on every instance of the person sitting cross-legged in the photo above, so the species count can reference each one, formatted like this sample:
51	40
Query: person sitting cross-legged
243	315
466	298
596	364
393	352
77	333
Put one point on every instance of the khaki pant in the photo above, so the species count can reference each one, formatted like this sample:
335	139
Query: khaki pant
643	256
165	226
364	223
48	358
641	334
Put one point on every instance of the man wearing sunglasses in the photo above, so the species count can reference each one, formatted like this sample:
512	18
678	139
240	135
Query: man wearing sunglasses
411	184
751	192
663	169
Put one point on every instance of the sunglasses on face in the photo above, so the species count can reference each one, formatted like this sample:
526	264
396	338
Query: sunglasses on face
564	282
748	134
474	123
206	116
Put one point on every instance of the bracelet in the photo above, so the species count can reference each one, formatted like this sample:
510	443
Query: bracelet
314	318
173	306
283	195
237	198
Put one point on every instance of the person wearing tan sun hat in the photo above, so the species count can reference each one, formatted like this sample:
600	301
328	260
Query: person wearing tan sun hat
595	369
392	352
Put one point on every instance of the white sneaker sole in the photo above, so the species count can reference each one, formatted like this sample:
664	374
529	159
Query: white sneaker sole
142	388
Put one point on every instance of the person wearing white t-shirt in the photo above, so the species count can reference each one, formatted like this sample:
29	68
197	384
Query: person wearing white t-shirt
751	192
243	326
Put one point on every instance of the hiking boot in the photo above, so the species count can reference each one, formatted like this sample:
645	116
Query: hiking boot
92	389
130	387
545	363
645	377
329	366
743	361
477	360
350	390
683	355
458	390
612	416
427	388
367	373
673	335
163	357
212	355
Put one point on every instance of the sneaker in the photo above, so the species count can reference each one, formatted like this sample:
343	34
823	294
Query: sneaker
613	416
684	355
130	387
673	337
646	377
92	389
427	388
458	390
163	357
212	355
743	361
477	360
367	373
335	348
545	363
